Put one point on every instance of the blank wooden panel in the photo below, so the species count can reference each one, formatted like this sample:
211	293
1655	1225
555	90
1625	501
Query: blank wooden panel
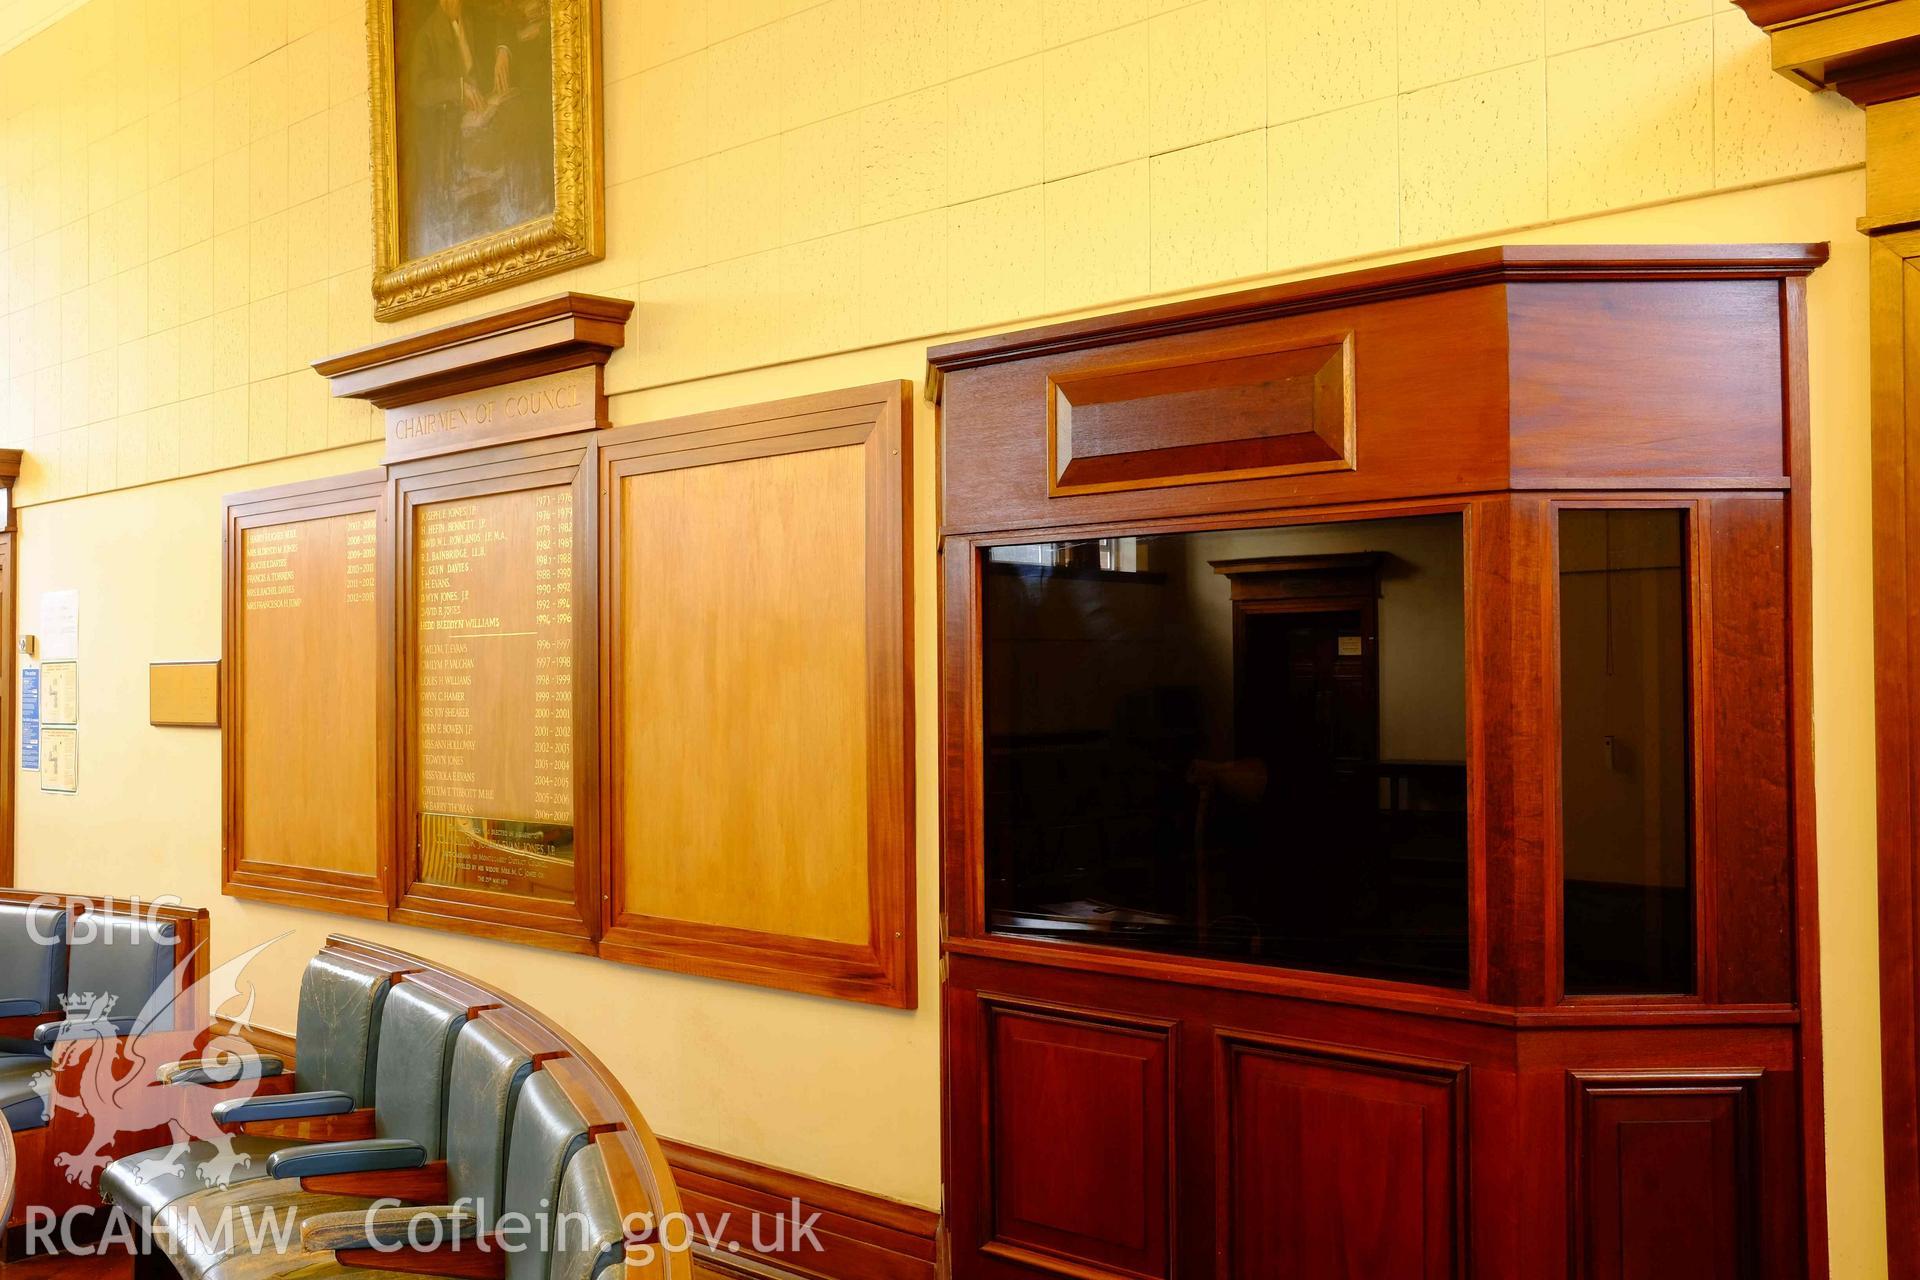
1334	1163
1663	1176
1645	380
745	769
307	685
1266	411
1748	799
1079	1139
184	694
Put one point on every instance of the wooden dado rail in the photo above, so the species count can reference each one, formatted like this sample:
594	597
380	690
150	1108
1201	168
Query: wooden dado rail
860	1236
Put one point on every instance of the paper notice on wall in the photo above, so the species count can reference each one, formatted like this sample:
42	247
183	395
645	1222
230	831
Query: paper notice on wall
59	626
60	760
30	718
59	693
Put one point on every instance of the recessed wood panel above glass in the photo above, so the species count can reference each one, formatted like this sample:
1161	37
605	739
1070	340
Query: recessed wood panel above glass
1246	744
1273	409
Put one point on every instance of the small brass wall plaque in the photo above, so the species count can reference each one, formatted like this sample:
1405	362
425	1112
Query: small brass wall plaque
184	694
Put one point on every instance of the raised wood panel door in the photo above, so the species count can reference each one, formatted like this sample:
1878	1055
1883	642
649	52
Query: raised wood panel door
1663	1176
1078	1113
1336	1164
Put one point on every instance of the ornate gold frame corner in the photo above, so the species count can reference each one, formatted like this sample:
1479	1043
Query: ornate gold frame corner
572	235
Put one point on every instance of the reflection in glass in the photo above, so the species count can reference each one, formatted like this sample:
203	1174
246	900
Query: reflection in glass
1248	744
1624	756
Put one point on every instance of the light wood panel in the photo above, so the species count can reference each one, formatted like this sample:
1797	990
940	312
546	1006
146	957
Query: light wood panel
308	756
495	713
755	597
747	576
493	691
305	790
745	773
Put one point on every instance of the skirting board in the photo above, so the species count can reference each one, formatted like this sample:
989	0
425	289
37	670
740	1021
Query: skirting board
861	1236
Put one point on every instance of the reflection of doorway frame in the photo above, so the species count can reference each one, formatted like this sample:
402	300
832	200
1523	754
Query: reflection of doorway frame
1262	586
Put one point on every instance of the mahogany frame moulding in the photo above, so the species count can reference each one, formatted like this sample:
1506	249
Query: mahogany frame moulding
878	421
1551	398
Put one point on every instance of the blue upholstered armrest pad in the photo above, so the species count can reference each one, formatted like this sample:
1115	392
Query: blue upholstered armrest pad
224	1070
49	1032
369	1155
285	1106
20	1008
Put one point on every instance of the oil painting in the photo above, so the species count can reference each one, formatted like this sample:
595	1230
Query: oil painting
486	134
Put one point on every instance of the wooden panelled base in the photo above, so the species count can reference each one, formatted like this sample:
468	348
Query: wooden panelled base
1128	1127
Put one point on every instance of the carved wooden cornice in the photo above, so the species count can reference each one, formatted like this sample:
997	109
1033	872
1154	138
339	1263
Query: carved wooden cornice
528	371
566	331
1866	50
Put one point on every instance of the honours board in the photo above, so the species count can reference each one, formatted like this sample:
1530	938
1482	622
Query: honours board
302	620
493	690
495	675
639	692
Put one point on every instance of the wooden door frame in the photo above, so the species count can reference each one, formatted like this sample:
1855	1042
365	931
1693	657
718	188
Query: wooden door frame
9	698
9	661
1871	55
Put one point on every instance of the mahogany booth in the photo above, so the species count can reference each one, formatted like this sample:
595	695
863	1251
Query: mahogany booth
1377	823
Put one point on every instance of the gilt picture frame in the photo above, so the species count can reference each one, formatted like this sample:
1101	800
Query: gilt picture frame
487	149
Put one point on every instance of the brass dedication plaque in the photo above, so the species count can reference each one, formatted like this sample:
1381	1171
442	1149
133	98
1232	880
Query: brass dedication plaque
307	689
493	692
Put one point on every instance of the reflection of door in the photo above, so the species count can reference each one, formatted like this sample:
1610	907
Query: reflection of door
1306	662
1304	696
1305	705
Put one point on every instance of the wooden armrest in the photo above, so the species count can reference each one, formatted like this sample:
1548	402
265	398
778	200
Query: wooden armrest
350	1127
461	1253
426	1185
469	1263
393	1227
221	1070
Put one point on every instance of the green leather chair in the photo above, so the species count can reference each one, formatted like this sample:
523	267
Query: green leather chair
555	1219
517	1152
33	977
339	1022
127	957
205	1225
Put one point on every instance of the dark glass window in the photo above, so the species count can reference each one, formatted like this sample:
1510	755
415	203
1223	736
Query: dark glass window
1625	761
1248	744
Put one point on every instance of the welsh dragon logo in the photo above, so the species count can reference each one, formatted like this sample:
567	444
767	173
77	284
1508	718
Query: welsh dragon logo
109	1070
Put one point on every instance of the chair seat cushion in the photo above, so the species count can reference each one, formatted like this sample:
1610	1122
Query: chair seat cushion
154	1179
297	1266
260	1220
22	1100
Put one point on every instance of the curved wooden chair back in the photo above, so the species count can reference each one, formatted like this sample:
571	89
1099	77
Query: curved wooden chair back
643	1185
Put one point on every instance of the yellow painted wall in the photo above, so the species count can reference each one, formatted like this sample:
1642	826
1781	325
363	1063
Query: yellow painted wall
801	196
